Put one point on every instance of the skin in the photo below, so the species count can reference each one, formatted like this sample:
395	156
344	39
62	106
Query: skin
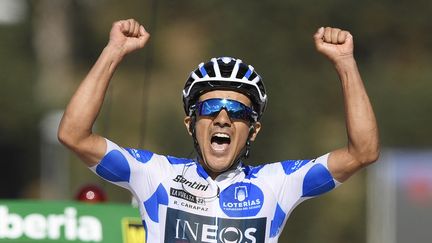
126	36
362	146
75	130
216	161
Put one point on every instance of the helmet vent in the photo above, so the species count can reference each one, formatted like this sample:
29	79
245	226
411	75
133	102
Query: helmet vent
198	73
261	85
210	70
242	70
226	68
225	72
252	76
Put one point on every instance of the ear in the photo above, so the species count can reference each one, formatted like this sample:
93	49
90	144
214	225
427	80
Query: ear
187	122
256	129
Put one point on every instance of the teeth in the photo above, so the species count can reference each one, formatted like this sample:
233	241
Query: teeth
221	135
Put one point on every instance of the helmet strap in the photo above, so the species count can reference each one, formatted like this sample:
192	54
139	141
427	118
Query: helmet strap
192	130
245	152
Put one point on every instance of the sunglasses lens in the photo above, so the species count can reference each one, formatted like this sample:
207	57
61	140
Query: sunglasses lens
209	108
235	109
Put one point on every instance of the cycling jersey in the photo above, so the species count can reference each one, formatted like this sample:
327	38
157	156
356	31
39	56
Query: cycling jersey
180	202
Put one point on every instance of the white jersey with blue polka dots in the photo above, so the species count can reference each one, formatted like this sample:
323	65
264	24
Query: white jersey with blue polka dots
179	202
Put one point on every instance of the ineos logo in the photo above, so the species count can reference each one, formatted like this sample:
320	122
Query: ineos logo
196	232
186	227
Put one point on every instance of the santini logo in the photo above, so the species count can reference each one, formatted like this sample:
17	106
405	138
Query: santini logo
194	185
52	227
241	200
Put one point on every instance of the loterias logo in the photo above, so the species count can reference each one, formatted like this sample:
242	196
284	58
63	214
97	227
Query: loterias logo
51	227
241	200
192	228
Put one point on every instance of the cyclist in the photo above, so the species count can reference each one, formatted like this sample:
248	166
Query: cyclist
216	197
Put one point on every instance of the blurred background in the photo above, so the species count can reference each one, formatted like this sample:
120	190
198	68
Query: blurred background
47	47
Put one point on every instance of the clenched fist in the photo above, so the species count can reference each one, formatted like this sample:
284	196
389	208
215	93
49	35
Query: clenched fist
334	43
128	36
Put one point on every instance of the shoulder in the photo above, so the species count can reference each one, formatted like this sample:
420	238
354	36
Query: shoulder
141	157
285	167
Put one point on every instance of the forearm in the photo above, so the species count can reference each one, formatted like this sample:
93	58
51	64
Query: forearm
75	129
85	104
361	125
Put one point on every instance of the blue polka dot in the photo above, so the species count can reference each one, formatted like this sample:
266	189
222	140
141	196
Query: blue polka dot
251	172
178	161
160	196
114	167
200	170
317	181
291	166
277	221
141	155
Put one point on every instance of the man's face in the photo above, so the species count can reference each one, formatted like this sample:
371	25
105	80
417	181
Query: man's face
222	138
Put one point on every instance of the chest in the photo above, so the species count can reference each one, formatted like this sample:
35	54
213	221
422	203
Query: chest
204	212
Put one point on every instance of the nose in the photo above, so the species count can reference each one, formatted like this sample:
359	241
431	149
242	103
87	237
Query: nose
222	119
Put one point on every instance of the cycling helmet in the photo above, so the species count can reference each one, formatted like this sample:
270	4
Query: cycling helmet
225	73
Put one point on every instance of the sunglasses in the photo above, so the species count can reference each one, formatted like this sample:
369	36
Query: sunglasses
235	109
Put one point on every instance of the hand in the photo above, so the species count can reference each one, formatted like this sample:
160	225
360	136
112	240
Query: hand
128	36
334	43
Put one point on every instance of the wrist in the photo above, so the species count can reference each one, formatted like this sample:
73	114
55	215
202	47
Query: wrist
345	62
110	57
114	52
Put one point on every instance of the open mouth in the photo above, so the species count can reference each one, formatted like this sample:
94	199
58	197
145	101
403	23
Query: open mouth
220	141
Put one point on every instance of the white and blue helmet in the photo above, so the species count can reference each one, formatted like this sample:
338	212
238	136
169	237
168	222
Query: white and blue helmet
225	73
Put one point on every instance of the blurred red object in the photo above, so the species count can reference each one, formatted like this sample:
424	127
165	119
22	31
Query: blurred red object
91	194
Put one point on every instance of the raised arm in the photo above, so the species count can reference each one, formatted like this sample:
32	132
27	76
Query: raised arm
363	142
75	130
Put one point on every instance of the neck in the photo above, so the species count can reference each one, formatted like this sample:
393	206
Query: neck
212	173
